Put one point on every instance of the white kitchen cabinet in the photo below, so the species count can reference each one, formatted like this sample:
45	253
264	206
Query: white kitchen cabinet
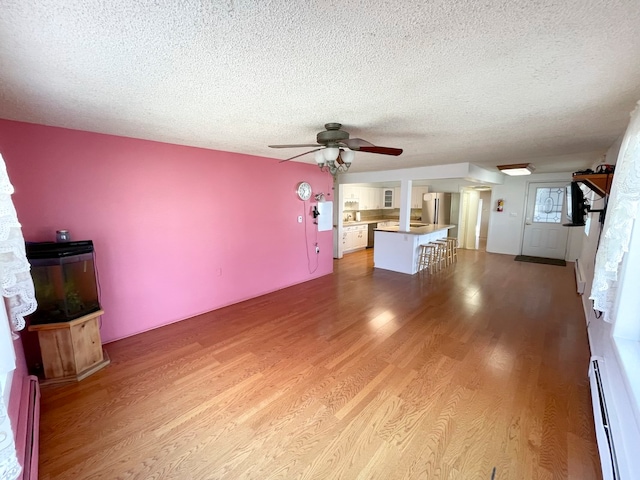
350	191
396	197
351	200
354	238
376	198
388	198
364	200
416	196
369	198
417	193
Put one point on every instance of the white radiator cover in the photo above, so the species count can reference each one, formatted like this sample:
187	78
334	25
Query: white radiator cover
604	434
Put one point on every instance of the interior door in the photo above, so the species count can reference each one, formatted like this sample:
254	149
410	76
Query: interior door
544	235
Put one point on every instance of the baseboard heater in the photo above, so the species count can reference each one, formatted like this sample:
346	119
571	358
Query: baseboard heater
27	440
580	283
604	436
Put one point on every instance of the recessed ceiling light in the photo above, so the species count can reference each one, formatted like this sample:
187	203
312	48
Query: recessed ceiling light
517	169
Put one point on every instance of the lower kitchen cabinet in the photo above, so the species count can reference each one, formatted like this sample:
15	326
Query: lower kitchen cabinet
354	238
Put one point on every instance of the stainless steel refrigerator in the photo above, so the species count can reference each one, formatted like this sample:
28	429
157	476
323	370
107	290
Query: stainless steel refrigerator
442	209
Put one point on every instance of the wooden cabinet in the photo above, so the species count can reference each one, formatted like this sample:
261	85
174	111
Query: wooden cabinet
71	350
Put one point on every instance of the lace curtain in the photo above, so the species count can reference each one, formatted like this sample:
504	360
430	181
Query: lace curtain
16	284
9	466
621	213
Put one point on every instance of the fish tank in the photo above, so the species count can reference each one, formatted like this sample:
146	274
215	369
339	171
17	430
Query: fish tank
64	278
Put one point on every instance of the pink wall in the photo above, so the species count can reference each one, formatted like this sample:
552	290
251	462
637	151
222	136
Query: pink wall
166	220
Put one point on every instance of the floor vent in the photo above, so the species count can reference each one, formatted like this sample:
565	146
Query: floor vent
27	440
606	446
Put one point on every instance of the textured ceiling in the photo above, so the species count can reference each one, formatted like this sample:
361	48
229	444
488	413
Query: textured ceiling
449	81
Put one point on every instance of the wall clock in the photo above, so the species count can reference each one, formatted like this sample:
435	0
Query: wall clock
304	191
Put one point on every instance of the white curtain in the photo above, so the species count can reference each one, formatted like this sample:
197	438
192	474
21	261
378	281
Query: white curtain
9	466
622	211
16	284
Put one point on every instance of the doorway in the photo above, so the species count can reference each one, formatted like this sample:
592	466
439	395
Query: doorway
474	217
544	235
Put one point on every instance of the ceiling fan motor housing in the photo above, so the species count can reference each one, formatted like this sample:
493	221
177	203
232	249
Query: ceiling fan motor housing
332	136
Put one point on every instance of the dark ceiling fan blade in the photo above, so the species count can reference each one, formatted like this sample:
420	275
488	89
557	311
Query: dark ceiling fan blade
356	143
300	145
382	150
310	151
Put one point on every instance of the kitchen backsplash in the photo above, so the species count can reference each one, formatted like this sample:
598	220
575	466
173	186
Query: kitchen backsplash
387	213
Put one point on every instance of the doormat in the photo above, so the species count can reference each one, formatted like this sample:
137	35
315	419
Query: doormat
546	261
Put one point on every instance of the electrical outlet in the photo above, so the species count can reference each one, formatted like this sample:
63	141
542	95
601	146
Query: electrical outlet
317	249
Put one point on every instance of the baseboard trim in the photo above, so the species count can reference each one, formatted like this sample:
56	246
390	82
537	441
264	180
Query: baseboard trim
28	431
580	282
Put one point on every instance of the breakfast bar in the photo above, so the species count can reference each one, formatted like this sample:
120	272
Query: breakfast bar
399	250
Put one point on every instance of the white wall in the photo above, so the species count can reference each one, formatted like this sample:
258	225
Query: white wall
486	211
507	227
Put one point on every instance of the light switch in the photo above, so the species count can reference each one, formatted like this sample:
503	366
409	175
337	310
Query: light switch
299	218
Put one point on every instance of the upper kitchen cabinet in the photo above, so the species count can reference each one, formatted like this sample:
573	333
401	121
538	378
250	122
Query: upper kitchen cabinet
351	199
388	198
396	197
416	196
370	198
417	193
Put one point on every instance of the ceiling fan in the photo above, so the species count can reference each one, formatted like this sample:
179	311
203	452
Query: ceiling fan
335	150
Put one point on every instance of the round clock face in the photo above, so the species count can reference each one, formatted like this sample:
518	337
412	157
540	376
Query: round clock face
304	191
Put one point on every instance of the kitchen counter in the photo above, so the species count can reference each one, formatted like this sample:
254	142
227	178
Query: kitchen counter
421	230
399	251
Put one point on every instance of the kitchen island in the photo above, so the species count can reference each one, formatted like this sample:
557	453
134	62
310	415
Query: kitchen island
398	250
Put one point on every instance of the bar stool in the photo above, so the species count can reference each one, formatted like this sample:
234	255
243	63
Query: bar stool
440	254
454	248
446	258
426	258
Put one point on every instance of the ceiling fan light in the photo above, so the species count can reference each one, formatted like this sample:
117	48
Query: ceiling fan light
331	153
319	156
347	156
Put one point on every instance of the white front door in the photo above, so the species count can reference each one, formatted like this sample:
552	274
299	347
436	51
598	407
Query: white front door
544	235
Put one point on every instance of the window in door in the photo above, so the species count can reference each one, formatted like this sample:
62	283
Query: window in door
548	206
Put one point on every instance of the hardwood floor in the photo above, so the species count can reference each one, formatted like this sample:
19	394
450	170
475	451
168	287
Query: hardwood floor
363	374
